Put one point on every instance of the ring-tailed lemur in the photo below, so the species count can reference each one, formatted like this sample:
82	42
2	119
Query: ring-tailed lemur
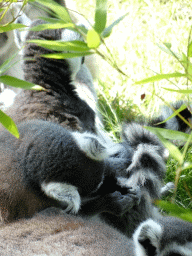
57	167
52	232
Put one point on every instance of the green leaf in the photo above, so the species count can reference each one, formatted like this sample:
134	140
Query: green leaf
65	55
15	82
168	50
100	15
169	134
8	123
178	91
61	45
60	11
159	77
190	49
174	114
168	45
6	65
51	20
11	27
175	210
107	31
55	25
93	39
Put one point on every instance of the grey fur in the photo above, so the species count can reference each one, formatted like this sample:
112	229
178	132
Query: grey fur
52	232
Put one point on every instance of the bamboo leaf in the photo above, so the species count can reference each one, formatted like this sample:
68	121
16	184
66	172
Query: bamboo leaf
60	11
107	31
10	27
57	25
61	45
178	91
93	39
168	50
100	15
8	123
169	134
15	82
174	114
66	55
159	77
190	49
6	65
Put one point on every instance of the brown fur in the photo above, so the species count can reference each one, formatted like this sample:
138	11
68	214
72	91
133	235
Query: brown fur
54	233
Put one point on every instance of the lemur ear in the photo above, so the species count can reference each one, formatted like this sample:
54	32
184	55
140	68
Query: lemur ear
20	36
147	238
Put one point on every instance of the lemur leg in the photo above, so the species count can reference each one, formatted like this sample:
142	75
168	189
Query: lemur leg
67	195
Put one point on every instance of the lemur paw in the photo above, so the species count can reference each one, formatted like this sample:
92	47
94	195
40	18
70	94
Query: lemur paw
121	204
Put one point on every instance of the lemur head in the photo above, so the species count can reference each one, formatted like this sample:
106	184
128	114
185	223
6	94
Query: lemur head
166	237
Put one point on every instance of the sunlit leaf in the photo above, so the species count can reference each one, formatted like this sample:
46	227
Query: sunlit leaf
57	25
93	39
185	62
8	123
159	77
15	82
190	49
169	134
168	50
61	45
178	91
11	26
61	11
65	55
100	15
107	31
174	114
168	45
6	64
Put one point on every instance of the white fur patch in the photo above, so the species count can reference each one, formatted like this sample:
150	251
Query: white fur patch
74	63
65	193
147	230
6	98
91	145
86	95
